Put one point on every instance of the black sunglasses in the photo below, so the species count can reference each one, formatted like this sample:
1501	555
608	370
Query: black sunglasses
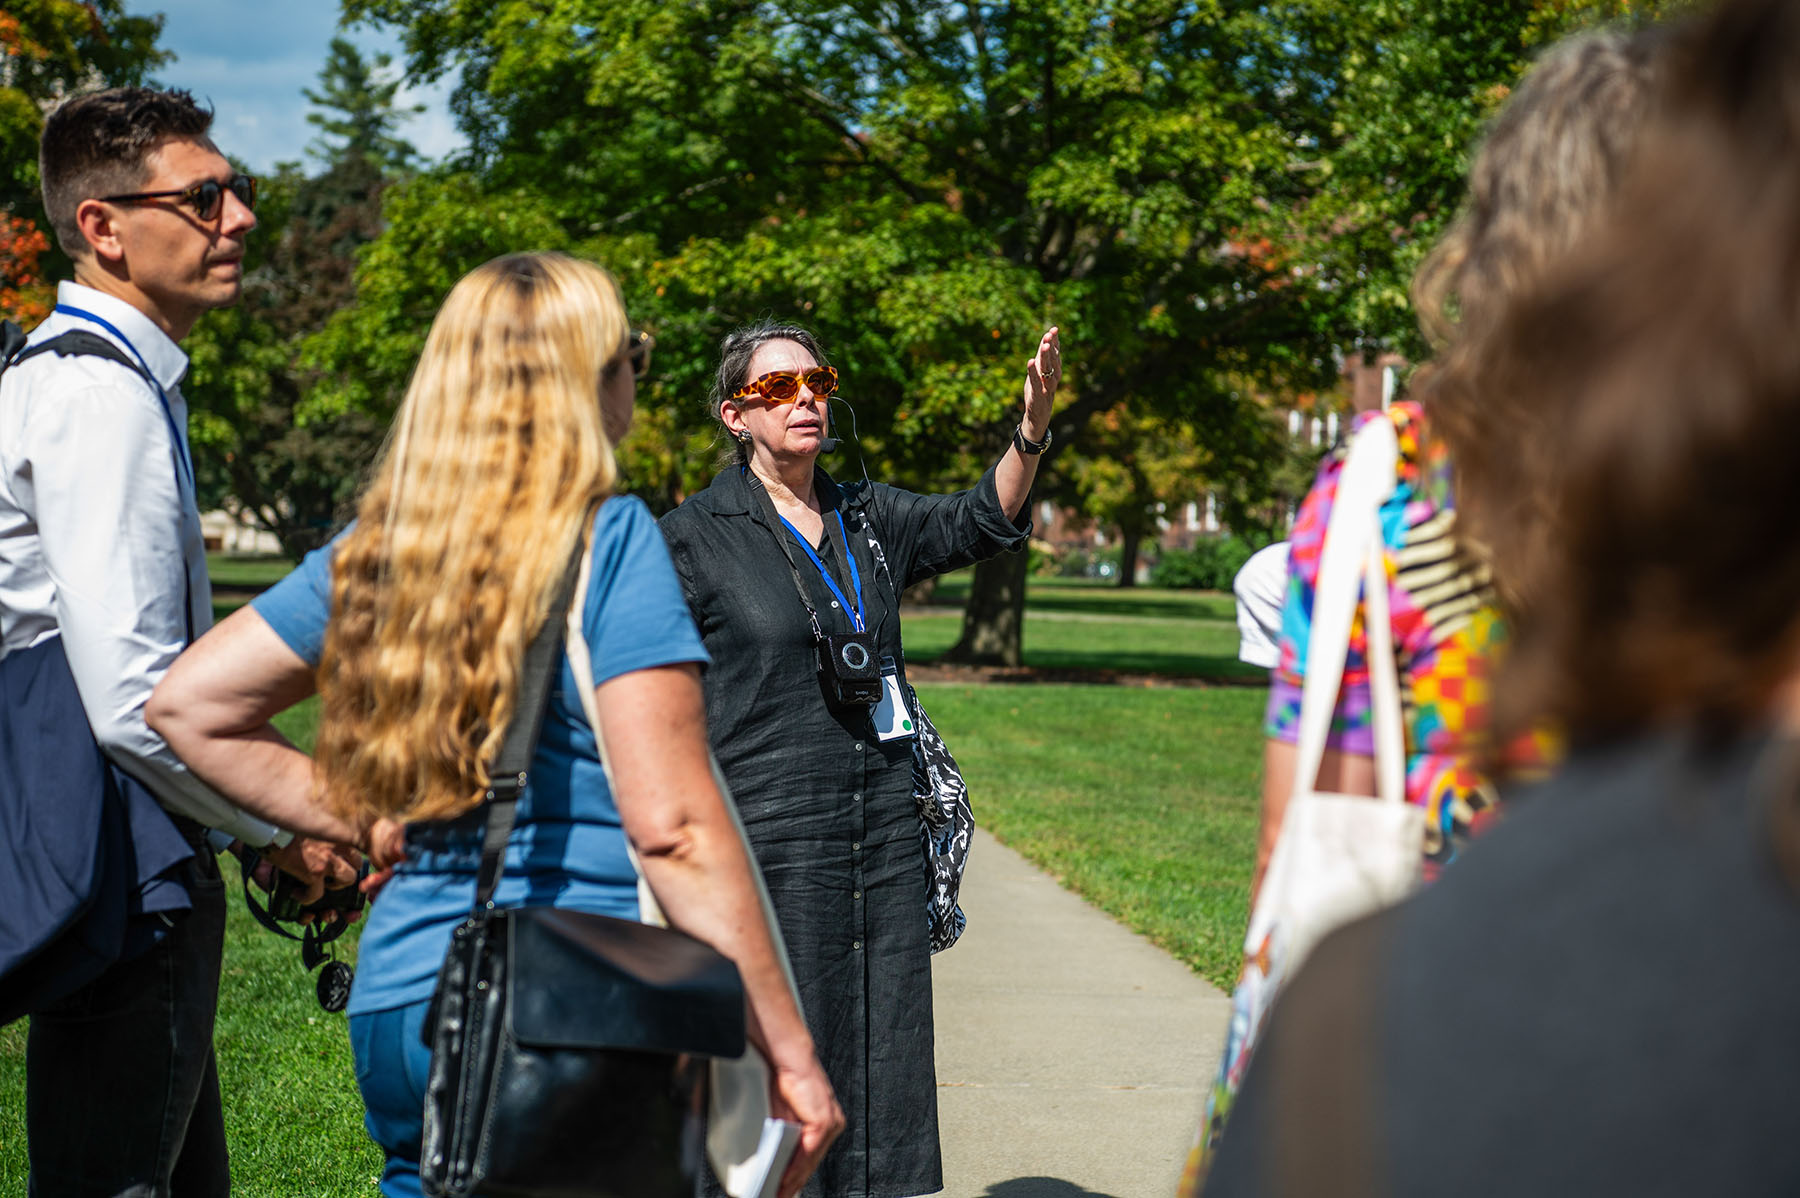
637	348
205	197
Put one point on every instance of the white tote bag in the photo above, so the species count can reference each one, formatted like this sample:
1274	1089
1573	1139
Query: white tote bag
1337	856
748	1148
1340	857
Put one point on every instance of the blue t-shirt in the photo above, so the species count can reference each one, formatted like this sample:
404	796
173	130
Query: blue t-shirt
567	848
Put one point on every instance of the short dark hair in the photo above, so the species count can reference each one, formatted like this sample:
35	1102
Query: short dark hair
741	344
99	144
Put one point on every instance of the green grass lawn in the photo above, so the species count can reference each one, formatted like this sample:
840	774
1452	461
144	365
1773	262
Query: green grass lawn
1142	800
1056	640
249	573
1094	597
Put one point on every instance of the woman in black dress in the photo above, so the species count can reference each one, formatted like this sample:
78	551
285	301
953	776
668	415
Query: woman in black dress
773	556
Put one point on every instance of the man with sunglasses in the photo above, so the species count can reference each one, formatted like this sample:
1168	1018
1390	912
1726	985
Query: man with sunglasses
102	582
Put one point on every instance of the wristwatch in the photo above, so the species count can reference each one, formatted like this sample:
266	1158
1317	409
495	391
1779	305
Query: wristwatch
1030	448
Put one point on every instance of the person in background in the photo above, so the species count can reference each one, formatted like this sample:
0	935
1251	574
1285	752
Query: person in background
102	582
1600	998
1541	184
1260	588
774	556
414	624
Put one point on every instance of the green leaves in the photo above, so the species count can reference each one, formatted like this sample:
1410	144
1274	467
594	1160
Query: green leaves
356	96
1216	202
1414	82
49	48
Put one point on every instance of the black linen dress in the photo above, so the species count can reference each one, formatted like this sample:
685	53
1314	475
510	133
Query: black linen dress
828	807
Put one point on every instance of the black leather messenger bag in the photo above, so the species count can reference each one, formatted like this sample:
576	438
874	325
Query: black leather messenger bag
567	1048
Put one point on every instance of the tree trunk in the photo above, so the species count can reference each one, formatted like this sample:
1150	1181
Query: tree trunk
1129	542
994	620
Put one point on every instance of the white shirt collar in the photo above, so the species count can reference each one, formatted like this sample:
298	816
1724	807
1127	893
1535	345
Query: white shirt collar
165	358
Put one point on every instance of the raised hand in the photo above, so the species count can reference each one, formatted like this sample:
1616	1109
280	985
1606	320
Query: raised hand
1042	371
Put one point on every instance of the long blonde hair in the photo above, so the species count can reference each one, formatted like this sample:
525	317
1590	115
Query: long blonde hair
496	459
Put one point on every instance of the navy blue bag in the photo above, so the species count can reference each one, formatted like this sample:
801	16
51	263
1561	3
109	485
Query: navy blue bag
92	869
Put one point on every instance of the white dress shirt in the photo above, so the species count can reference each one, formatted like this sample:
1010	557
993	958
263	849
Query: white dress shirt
98	533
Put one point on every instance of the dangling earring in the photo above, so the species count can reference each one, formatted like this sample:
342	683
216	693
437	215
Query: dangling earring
743	438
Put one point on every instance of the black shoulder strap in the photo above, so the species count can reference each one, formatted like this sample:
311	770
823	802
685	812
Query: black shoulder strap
74	343
543	661
871	530
12	340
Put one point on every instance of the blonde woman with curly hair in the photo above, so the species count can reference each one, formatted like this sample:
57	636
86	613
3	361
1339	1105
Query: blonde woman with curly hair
413	626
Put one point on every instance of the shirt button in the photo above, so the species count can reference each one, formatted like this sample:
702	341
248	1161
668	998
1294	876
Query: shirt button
857	797
859	746
856	894
856	944
856	847
834	603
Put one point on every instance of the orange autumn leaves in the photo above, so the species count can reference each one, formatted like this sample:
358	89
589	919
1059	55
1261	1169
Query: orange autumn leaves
25	296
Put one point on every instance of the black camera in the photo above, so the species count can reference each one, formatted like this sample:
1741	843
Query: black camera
849	670
284	907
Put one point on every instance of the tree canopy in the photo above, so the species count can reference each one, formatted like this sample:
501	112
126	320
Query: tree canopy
356	109
48	49
258	447
1214	200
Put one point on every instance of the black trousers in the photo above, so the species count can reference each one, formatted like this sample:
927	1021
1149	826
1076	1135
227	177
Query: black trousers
121	1087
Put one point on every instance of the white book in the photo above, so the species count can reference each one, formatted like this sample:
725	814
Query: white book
760	1176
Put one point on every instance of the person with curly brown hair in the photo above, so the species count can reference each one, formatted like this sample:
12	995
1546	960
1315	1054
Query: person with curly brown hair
1600	998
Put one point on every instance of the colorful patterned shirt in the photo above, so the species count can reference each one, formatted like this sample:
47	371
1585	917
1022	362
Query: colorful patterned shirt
1446	629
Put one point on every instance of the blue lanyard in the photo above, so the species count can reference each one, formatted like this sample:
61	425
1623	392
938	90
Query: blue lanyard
856	617
179	446
181	450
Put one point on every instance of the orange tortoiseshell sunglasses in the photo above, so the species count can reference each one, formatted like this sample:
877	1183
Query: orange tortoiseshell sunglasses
783	386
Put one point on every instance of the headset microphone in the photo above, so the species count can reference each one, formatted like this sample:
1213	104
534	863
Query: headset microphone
827	444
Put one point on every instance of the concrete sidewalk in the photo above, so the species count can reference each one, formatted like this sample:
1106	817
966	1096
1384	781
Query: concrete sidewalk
1072	1054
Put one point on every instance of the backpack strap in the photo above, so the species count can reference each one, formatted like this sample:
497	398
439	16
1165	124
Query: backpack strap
74	343
12	340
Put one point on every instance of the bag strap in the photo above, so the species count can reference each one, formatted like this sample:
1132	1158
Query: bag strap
510	770
14	349
650	911
80	343
1352	559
